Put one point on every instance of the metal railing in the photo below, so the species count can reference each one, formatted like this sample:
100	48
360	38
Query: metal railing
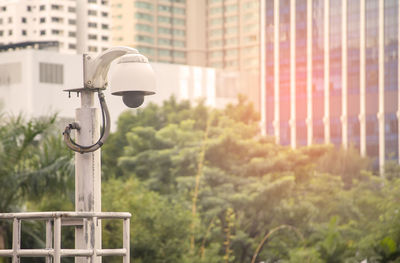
54	220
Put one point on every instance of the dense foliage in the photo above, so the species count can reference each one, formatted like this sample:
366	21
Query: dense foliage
204	186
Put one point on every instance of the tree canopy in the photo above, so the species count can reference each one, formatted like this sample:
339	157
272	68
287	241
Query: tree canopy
204	186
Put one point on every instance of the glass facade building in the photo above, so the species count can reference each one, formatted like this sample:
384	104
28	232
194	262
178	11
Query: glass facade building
213	33
329	74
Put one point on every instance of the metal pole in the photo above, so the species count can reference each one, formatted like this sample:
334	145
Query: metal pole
16	239
87	171
57	240
49	238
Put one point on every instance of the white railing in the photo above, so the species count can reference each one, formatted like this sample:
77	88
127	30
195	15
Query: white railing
54	220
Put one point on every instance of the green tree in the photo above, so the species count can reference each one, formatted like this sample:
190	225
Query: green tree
32	159
331	196
160	227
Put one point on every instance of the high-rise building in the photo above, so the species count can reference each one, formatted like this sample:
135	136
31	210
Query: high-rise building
214	33
329	74
78	25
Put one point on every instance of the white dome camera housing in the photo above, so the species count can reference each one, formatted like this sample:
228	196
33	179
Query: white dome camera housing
132	78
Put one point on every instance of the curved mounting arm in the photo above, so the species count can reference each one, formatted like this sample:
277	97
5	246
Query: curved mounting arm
95	70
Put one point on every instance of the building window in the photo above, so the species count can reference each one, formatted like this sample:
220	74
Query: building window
232	30
144	5
216	21
216	54
164	8
56	32
23	32
231	19
92	37
104	14
178	43
42	7
216	43
104	26
92	1
216	10
1	21
56	20
71	46
56	7
232	52
4	8
28	8
42	32
93	25
164	19
92	12
145	39
10	32
72	21
145	16
42	20
143	27
231	41
92	49
23	20
1	33
164	41
104	38
231	8
179	54
71	9
178	10
71	34
10	20
179	32
104	2
164	30
178	21
216	32
51	73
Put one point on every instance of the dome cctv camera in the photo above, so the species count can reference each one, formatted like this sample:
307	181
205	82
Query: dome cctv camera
132	78
133	99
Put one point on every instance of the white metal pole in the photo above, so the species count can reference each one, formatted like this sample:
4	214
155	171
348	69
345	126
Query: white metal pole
57	240
87	171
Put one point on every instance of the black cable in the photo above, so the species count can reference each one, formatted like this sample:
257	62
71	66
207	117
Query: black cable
104	132
101	99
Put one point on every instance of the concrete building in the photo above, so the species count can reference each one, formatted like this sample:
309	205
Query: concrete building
78	26
329	74
32	82
211	33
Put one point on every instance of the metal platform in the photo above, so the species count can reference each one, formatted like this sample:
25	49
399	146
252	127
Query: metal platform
54	220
